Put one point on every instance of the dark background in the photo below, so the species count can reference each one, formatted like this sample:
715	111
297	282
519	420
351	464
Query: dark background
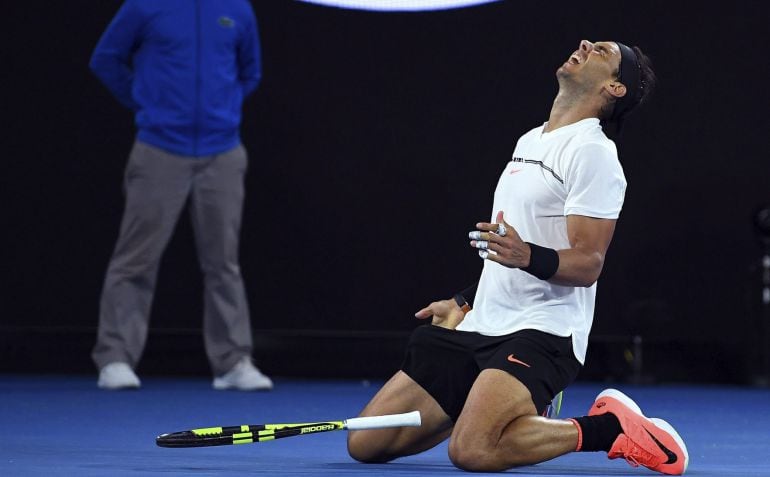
376	141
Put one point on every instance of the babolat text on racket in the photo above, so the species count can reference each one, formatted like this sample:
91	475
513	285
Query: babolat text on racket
248	434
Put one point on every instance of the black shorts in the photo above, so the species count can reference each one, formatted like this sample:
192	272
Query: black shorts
447	362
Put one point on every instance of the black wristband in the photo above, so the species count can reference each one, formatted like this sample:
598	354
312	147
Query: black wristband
469	294
462	303
543	262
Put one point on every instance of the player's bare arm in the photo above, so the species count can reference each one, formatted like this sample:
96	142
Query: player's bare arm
582	263
579	265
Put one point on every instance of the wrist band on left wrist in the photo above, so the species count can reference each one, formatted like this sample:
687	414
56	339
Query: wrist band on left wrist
462	303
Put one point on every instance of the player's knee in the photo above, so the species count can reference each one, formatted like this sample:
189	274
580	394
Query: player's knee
364	449
470	456
476	454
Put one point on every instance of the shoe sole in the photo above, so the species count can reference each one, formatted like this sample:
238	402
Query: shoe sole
656	422
219	386
122	387
553	409
674	435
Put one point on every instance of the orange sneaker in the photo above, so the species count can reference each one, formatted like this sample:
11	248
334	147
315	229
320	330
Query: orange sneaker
645	441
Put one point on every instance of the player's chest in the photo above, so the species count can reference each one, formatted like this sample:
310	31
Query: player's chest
534	175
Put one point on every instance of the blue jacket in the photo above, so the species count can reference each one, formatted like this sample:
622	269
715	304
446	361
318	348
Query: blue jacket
184	67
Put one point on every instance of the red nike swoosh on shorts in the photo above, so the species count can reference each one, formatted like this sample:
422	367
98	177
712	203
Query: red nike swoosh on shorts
517	361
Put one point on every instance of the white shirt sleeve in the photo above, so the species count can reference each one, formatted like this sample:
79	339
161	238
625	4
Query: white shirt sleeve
595	183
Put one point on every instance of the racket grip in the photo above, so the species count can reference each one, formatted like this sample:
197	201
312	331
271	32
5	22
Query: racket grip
381	422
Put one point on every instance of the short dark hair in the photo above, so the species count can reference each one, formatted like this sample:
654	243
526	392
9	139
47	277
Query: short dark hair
647	84
648	79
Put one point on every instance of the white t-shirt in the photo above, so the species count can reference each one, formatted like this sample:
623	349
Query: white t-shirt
573	170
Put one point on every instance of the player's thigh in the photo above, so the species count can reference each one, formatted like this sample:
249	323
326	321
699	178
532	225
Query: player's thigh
496	399
400	394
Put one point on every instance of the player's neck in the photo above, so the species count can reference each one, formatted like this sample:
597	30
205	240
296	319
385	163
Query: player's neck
569	108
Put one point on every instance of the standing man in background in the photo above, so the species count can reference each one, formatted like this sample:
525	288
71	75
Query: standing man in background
184	68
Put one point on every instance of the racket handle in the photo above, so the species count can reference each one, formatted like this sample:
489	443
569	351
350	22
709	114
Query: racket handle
382	422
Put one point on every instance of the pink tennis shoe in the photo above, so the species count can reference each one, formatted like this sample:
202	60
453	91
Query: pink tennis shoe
650	442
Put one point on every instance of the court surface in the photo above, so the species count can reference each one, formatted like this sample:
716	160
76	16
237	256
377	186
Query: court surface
65	426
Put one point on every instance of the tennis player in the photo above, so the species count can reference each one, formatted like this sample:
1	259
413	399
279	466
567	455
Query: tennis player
484	371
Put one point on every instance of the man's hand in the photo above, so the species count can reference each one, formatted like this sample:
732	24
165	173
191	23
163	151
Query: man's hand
510	250
445	313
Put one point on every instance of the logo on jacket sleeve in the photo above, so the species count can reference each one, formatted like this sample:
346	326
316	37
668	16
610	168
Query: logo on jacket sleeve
226	22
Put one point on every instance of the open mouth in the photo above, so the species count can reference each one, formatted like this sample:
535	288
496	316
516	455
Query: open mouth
575	59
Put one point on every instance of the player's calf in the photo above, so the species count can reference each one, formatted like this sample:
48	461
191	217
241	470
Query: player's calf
369	447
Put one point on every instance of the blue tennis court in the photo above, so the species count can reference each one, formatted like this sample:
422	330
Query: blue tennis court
65	426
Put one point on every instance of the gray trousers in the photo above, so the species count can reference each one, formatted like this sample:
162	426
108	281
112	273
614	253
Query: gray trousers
157	185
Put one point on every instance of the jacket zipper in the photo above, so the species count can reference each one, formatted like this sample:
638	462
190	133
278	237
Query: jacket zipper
196	115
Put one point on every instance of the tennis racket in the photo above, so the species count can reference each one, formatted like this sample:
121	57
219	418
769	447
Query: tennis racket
248	434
